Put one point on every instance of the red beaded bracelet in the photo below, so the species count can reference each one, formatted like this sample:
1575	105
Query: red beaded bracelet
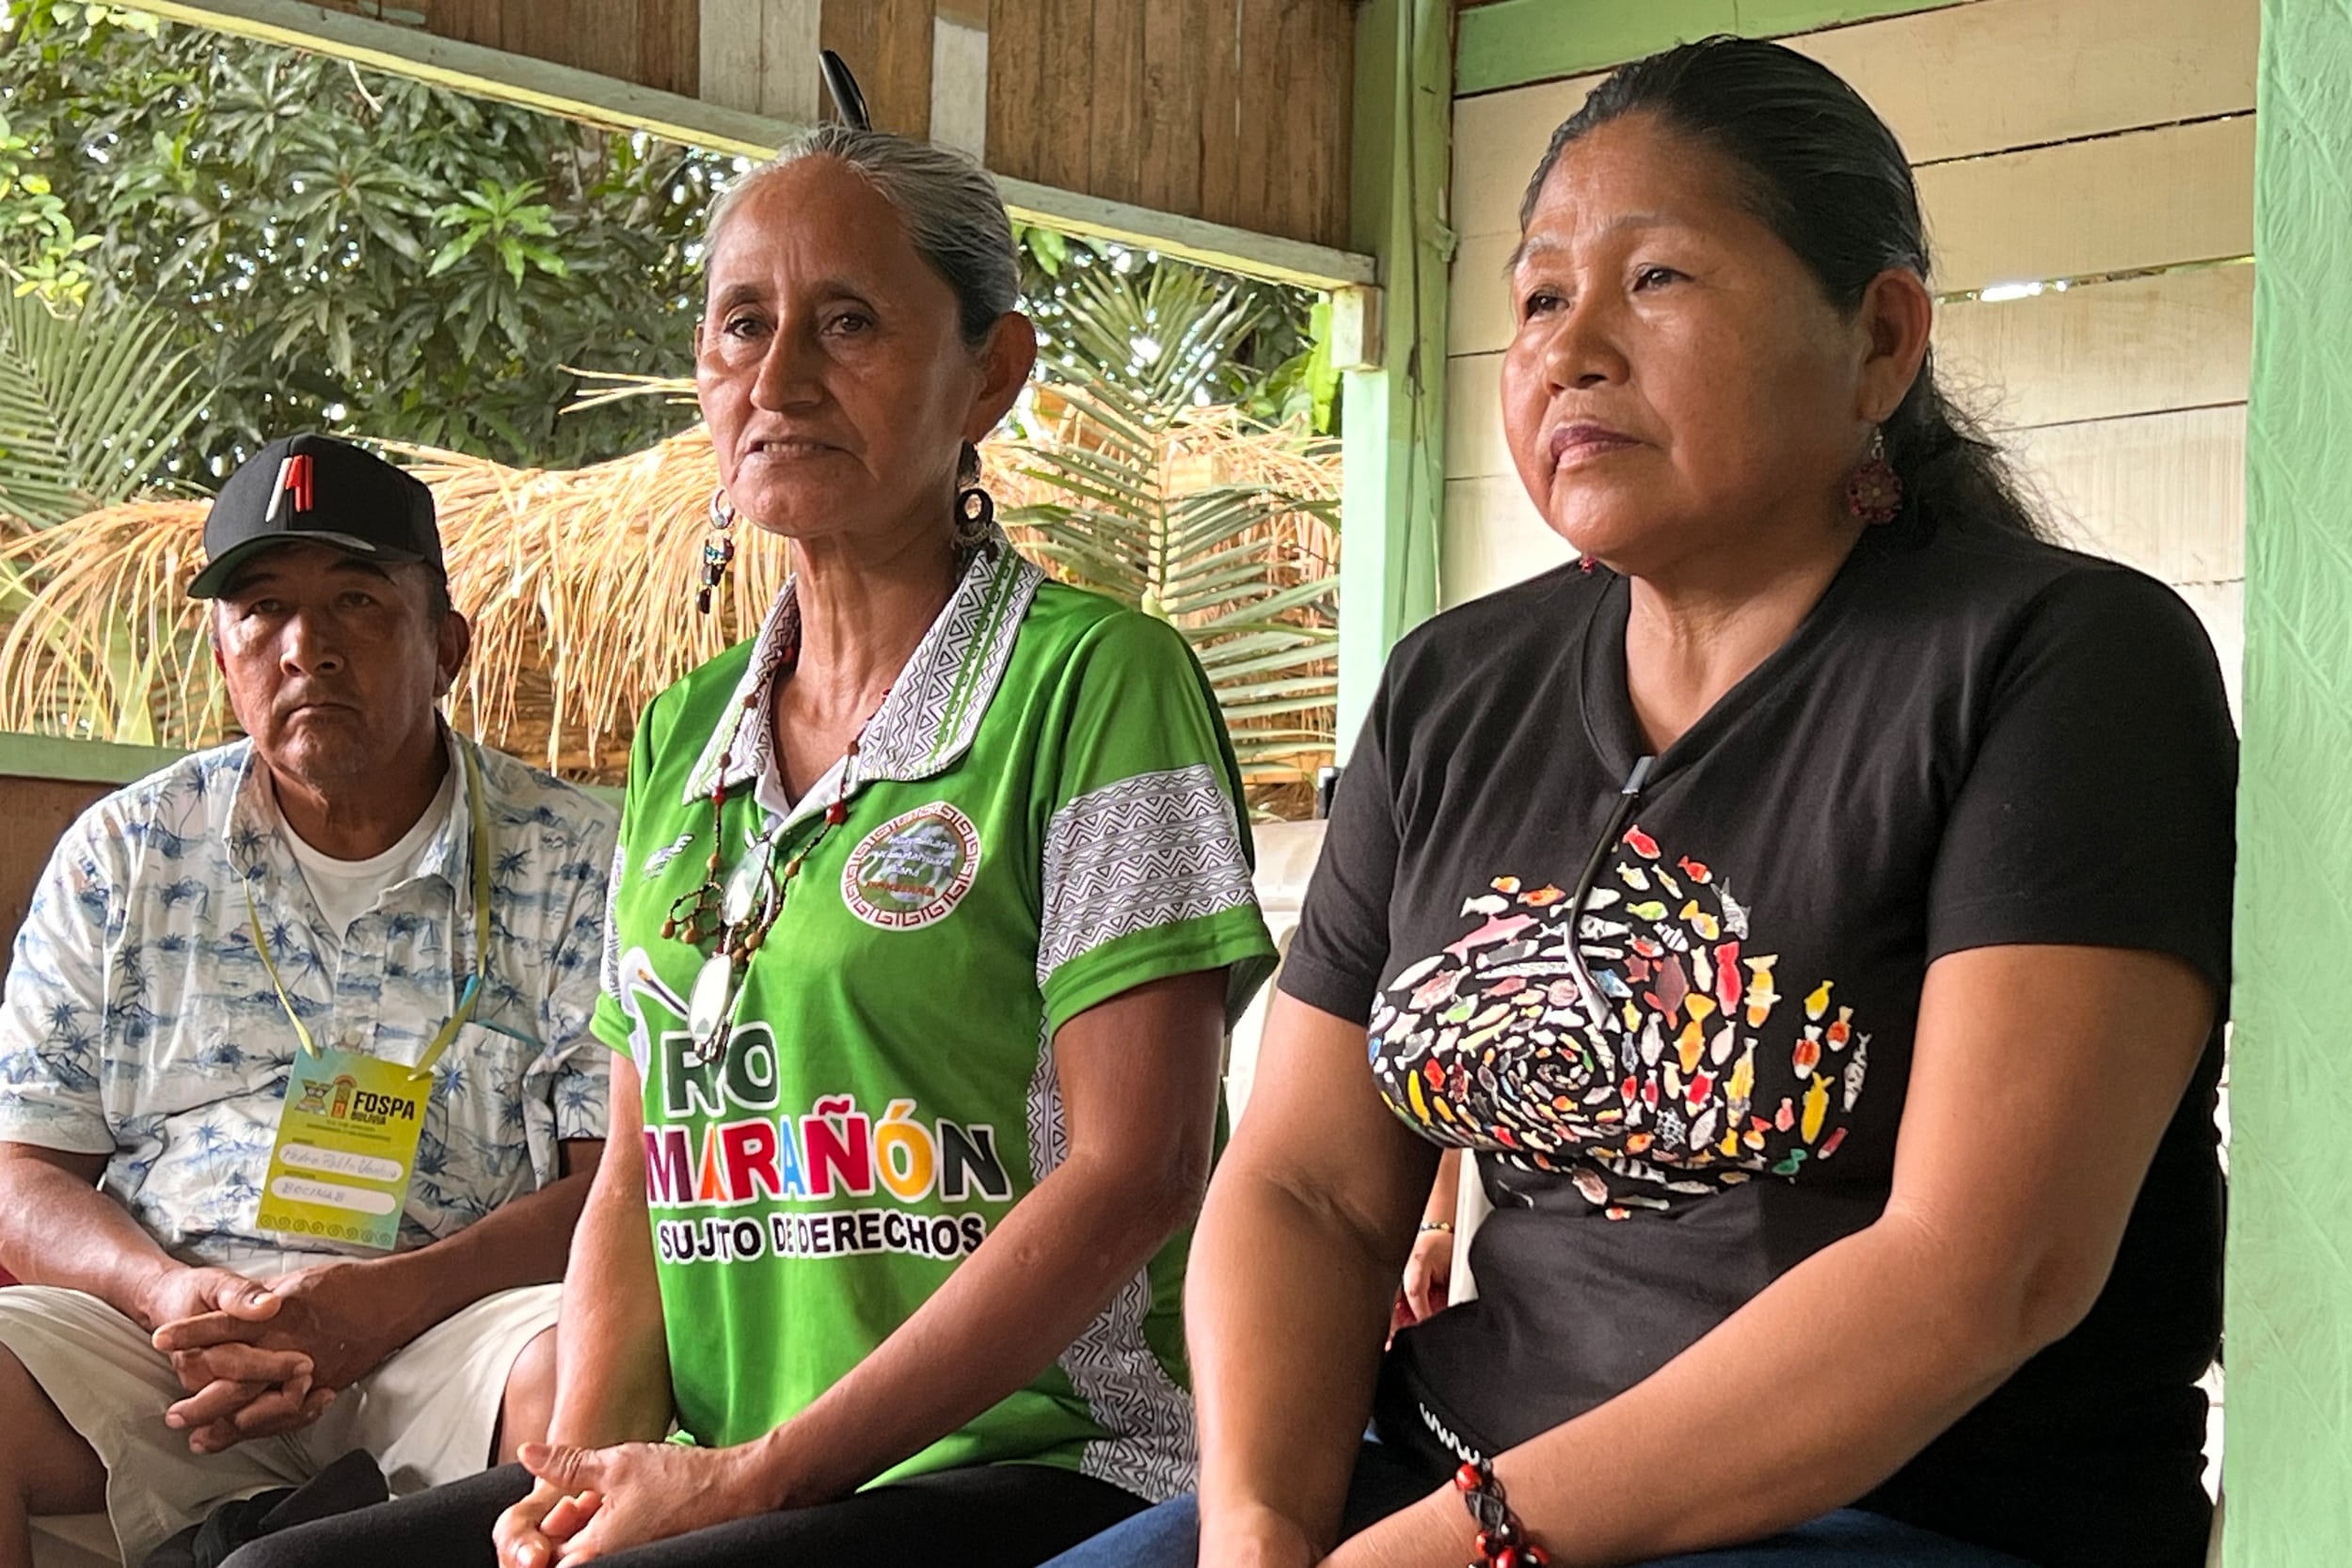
1502	1541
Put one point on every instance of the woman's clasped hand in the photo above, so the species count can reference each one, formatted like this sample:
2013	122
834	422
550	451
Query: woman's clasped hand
587	1503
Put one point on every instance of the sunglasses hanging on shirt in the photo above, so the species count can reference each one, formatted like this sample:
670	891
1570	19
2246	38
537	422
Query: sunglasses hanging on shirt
735	909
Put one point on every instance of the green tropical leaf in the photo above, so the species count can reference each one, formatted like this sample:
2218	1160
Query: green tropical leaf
87	403
1133	517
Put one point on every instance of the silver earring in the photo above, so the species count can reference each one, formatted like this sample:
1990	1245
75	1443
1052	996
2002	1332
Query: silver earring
718	549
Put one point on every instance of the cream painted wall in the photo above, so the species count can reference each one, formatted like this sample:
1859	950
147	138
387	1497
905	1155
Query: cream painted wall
2107	144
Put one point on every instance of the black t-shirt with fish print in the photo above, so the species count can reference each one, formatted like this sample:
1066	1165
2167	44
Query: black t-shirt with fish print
1970	741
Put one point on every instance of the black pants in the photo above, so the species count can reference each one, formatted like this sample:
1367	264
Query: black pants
985	1516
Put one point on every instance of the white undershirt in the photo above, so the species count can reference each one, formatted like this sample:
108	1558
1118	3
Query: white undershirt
346	889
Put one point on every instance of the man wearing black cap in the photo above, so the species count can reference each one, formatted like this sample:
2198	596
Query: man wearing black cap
297	1095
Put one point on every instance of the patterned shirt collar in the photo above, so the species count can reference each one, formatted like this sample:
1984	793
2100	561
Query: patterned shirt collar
935	706
256	846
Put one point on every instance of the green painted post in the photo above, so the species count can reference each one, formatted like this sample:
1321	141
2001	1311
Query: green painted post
2289	1410
1394	437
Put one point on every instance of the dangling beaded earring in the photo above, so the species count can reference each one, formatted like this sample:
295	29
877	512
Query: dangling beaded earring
1874	491
975	509
718	550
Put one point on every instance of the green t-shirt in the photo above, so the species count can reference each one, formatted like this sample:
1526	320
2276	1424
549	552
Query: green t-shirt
1044	815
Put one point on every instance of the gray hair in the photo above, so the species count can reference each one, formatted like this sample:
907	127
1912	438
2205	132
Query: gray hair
947	202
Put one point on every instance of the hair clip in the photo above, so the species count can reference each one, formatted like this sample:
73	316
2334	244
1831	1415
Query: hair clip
842	87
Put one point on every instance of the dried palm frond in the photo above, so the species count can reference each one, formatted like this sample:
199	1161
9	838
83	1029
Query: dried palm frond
104	645
1224	528
580	585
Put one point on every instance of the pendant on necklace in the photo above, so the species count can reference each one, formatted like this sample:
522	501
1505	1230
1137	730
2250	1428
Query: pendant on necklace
707	1005
748	881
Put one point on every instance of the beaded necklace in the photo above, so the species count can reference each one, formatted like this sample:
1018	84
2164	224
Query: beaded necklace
744	906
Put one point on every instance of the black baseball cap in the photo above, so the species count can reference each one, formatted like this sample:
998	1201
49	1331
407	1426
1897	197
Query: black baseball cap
314	489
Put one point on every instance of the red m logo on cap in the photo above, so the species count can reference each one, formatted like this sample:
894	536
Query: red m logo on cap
294	479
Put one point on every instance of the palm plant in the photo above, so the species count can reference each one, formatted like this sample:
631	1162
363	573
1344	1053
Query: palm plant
88	401
1186	511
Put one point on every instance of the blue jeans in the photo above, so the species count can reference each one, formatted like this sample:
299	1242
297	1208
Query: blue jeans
1168	1536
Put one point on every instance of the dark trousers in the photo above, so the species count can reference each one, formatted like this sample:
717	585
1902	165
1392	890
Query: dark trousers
985	1516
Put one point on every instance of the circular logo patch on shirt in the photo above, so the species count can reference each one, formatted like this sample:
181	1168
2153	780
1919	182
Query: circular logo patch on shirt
913	869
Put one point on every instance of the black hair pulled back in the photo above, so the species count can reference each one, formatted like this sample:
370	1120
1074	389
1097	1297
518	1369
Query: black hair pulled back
1820	167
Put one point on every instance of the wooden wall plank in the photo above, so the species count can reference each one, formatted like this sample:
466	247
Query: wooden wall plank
1173	114
1478	317
669	44
1221	109
2151	198
853	30
887	44
2184	339
760	55
1114	134
727	52
1475	443
1325	105
1291	64
790	33
592	35
1518	41
1526	39
904	69
1980	78
1491	537
1259	93
1501	51
2164	492
1016	84
1498	141
1066	106
959	78
1958	82
471	20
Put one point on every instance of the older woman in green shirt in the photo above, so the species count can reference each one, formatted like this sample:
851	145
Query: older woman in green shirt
930	908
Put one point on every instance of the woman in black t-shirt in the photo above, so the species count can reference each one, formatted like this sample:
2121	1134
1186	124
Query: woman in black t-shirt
1816	917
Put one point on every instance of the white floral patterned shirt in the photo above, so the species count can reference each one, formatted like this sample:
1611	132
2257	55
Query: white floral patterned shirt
140	1022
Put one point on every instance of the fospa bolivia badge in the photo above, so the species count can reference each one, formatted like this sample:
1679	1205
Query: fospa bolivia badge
913	869
346	1147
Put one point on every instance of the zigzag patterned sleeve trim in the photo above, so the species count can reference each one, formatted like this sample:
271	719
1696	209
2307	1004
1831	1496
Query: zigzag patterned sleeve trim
1150	850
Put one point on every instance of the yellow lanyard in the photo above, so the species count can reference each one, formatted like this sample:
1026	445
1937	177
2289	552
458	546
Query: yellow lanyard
471	996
